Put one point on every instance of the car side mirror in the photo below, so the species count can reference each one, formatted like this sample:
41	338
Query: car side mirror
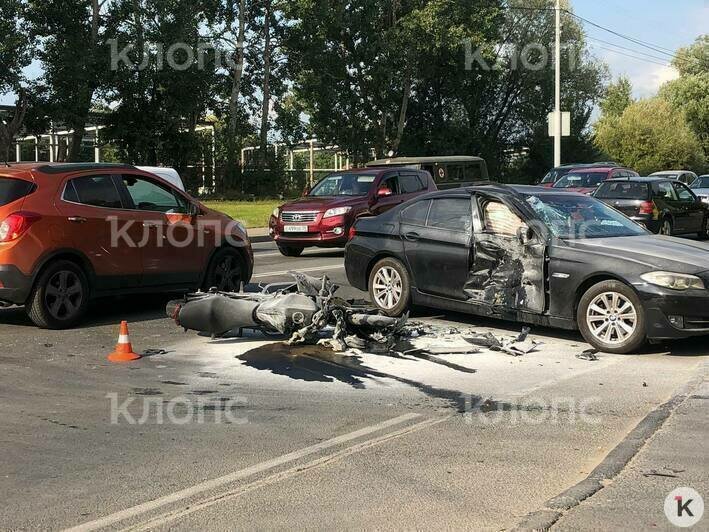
384	192
194	210
307	190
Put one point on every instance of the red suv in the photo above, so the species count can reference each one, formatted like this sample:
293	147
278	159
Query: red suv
71	232
323	217
586	179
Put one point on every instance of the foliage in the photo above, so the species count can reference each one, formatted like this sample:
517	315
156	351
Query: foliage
650	136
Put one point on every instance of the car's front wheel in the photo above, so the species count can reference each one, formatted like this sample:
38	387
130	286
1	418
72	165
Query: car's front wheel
390	287
290	251
60	296
611	318
225	272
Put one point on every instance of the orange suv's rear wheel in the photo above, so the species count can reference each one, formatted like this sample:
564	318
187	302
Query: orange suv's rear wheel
60	296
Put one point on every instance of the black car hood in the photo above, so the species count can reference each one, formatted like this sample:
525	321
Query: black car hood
658	252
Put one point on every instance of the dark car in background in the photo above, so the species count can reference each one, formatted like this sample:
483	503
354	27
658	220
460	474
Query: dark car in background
683	176
700	187
560	171
664	206
586	180
323	217
534	255
448	171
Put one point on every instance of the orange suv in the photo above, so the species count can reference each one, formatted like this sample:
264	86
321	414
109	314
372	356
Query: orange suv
73	232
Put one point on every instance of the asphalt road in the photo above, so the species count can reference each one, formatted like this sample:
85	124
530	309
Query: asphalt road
243	433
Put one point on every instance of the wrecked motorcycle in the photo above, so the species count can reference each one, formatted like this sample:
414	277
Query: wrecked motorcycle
302	310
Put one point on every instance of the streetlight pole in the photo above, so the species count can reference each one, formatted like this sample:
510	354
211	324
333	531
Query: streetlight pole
557	91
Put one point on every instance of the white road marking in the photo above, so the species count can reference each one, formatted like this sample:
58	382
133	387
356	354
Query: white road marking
285	272
163	519
237	475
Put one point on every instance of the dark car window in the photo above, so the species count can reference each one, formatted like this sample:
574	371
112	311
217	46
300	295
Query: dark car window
392	183
149	196
665	190
622	190
683	193
417	213
581	180
450	213
344	185
701	182
14	189
95	190
410	183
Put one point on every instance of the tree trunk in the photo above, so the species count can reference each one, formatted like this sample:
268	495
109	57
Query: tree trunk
266	89
10	129
402	113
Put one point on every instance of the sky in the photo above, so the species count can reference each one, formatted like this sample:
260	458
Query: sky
668	24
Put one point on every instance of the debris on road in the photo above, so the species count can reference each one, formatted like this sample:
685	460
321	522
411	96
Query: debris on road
515	346
589	354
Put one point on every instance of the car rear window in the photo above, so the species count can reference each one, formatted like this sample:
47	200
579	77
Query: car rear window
14	189
623	190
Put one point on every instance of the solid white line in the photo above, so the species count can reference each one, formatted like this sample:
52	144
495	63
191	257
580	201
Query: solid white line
285	272
276	254
237	475
163	519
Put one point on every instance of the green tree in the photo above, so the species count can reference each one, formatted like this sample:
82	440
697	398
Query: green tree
75	62
689	93
14	57
650	136
618	97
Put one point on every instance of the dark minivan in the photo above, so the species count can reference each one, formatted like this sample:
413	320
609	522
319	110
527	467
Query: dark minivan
664	206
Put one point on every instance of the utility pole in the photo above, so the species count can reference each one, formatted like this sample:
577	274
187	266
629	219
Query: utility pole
557	95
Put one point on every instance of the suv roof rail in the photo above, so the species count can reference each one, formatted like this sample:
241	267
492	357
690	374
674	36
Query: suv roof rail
59	168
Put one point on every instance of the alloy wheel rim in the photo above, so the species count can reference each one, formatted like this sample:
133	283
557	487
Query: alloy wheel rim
666	228
227	275
387	287
612	318
63	295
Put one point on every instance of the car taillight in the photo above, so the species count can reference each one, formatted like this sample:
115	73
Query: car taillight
352	233
15	225
646	207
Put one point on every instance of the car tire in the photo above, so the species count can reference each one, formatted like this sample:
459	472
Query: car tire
390	287
666	227
60	296
290	251
225	272
611	318
704	233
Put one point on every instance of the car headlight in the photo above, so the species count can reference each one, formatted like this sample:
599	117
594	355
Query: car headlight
276	212
337	211
675	281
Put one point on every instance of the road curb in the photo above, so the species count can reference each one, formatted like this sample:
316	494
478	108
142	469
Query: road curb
614	462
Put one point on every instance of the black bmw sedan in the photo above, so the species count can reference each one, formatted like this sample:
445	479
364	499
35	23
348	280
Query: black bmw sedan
537	256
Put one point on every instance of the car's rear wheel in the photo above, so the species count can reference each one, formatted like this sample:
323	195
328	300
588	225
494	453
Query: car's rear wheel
290	251
226	271
60	296
390	287
666	227
611	318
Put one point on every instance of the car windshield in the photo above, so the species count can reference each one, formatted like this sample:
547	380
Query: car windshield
667	176
701	182
581	180
344	185
622	190
554	175
578	217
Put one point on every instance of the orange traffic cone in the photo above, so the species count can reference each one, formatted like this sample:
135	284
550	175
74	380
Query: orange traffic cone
124	350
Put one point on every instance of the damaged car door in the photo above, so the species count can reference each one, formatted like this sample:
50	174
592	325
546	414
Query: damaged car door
436	235
509	259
